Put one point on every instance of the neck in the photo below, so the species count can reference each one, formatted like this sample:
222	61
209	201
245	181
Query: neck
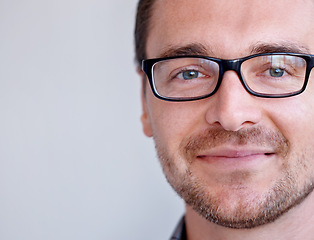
294	225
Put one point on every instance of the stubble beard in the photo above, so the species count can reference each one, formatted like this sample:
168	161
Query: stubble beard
250	210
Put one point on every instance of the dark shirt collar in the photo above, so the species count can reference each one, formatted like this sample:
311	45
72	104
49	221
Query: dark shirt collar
180	232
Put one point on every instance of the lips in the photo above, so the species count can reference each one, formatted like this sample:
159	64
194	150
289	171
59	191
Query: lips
236	157
232	153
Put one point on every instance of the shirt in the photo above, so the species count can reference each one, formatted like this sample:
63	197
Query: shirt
180	232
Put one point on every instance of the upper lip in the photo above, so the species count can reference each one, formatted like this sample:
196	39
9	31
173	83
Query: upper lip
236	152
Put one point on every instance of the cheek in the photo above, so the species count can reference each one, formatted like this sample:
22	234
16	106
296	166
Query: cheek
294	119
173	121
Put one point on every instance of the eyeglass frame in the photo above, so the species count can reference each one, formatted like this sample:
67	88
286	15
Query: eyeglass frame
227	65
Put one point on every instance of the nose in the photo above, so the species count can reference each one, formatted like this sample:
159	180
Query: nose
233	108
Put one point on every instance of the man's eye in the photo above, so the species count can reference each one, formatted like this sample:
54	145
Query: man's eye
276	72
190	74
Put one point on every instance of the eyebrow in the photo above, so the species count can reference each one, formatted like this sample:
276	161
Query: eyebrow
199	49
190	49
278	47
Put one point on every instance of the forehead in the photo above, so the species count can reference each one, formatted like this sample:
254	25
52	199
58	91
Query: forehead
229	29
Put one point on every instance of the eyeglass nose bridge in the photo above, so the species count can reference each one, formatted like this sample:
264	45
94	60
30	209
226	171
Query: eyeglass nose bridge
231	65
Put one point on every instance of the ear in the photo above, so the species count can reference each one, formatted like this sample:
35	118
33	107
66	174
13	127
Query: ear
146	123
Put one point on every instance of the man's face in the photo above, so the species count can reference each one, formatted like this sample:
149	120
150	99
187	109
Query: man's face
238	160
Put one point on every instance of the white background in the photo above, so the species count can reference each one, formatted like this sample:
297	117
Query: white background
74	163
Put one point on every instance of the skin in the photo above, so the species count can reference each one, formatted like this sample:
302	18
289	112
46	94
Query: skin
284	127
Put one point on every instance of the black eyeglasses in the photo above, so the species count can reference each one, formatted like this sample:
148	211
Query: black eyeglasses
268	75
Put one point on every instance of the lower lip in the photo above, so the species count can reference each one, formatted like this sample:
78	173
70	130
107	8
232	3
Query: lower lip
237	162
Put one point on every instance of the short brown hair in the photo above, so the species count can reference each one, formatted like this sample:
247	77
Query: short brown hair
144	11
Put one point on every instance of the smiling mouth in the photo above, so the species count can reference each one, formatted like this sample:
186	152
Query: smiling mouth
235	155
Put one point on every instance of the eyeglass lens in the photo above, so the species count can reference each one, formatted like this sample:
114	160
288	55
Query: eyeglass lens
195	77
